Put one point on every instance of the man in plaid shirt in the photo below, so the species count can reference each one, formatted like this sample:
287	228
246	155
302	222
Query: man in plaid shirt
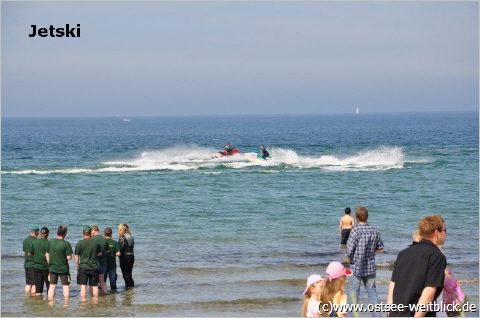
363	243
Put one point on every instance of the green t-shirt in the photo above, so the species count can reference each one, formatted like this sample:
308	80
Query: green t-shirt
39	249
102	260
111	257
87	250
29	261
59	249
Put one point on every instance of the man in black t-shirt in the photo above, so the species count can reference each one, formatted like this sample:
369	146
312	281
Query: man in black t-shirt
419	272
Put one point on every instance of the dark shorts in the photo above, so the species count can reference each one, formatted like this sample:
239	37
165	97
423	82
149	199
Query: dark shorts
29	276
345	236
102	269
89	276
64	278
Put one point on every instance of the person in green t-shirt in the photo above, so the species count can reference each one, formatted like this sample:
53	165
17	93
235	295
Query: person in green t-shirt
59	252
111	259
38	249
86	253
102	260
29	261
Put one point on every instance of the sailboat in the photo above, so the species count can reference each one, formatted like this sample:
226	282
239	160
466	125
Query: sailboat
357	112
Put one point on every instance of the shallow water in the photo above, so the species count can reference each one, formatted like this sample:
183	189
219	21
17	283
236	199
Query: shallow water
232	238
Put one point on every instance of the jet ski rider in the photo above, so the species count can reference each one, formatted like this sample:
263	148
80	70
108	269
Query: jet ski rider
228	148
264	152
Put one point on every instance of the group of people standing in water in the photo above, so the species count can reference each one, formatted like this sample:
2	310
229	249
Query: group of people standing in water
418	278
46	260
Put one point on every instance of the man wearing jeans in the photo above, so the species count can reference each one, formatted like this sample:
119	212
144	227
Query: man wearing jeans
363	243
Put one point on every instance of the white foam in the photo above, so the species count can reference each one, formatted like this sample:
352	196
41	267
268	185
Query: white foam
381	158
377	159
193	157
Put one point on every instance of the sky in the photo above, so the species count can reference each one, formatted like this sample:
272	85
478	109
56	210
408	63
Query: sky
166	58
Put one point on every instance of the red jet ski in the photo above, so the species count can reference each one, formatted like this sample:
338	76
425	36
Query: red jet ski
222	154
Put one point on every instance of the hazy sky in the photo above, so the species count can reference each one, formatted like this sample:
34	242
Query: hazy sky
230	58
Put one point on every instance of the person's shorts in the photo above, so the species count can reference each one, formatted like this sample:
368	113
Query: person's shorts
102	269
345	236
29	276
64	278
89	276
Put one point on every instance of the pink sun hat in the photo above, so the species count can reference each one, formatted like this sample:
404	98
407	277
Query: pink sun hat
336	270
312	279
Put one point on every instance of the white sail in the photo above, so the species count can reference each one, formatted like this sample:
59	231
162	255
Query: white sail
357	111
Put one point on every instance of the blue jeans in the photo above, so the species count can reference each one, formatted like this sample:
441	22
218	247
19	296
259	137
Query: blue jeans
369	283
111	273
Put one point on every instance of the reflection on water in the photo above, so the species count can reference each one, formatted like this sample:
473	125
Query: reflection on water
64	302
89	302
104	305
127	297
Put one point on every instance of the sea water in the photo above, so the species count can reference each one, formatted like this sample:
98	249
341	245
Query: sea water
225	237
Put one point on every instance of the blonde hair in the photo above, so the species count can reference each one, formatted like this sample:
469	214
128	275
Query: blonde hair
331	288
122	229
416	236
307	297
305	301
305	304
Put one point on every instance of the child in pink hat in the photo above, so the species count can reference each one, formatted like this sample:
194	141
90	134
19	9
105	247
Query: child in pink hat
315	285
334	290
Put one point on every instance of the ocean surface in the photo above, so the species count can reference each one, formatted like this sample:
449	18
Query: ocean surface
225	237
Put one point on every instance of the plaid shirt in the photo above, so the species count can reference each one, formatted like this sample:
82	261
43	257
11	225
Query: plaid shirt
364	240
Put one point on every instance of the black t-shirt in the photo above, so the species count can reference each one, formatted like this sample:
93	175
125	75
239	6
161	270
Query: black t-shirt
418	266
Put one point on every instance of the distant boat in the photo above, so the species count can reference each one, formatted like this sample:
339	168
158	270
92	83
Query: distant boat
126	119
357	112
